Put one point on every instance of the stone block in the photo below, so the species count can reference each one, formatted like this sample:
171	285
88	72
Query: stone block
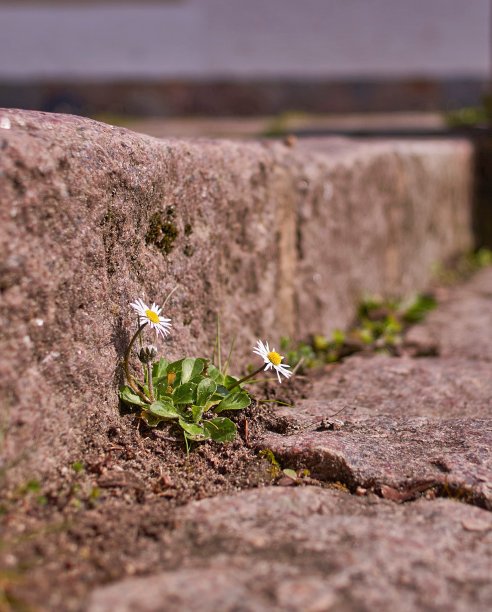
461	324
376	218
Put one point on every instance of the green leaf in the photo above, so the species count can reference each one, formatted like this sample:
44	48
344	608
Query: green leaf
175	366
206	388
290	473
191	368
234	401
78	466
419	308
338	336
197	412
215	374
159	369
130	397
193	431
184	394
151	419
220	429
320	342
270	457
230	381
164	409
221	392
161	386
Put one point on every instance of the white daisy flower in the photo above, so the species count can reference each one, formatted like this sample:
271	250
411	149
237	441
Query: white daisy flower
272	359
152	316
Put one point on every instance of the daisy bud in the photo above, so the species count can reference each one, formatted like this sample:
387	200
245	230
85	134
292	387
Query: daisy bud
147	353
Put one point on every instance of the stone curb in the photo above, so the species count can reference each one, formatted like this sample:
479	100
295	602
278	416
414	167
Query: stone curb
278	239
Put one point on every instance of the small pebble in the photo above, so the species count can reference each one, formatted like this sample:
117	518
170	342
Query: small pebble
477	525
290	140
286	482
10	560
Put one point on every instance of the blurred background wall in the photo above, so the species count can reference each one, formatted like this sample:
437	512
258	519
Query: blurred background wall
243	57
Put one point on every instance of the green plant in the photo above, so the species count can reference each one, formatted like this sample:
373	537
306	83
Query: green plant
378	327
283	122
192	393
464	266
269	456
78	466
471	116
302	353
416	310
468	116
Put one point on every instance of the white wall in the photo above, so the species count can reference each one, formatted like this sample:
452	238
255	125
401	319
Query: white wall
246	38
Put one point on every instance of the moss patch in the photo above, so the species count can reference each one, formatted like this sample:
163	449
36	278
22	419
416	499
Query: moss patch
162	233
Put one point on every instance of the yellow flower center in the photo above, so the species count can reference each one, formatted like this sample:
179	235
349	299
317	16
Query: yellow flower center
275	358
152	316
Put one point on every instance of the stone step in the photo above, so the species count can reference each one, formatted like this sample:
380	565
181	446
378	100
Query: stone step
277	238
399	458
429	387
401	426
461	324
311	549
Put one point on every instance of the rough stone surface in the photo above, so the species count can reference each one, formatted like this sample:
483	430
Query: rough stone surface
408	455
377	385
407	424
315	550
468	304
385	197
94	216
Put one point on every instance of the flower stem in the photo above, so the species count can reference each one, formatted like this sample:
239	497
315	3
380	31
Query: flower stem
126	365
149	381
247	377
